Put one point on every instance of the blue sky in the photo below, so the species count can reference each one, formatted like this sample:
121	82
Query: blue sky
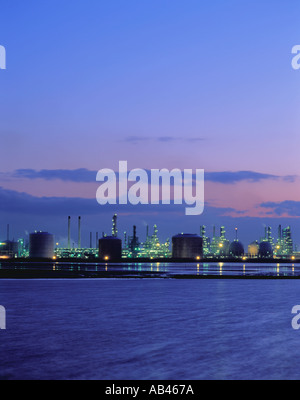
162	84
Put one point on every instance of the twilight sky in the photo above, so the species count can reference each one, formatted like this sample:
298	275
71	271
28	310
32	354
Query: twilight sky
161	84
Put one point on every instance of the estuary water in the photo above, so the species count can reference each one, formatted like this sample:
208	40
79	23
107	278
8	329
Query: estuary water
149	329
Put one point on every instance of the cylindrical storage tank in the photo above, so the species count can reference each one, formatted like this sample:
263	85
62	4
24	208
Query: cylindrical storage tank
236	249
41	245
110	248
265	250
188	246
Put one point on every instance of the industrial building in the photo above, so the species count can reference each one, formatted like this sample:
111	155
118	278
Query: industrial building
184	246
9	249
219	246
152	248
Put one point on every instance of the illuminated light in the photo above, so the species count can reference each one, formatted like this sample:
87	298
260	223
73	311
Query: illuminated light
4	257
54	258
244	258
106	258
157	244
277	247
293	257
221	245
198	258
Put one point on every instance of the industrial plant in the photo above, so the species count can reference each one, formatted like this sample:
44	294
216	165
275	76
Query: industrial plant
183	246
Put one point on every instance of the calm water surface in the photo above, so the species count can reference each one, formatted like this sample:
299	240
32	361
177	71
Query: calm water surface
149	329
170	269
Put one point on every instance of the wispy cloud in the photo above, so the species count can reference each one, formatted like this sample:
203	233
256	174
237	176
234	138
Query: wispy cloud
229	177
289	207
76	175
13	202
167	139
87	176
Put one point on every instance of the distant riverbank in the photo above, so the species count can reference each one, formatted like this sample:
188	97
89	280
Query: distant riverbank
138	270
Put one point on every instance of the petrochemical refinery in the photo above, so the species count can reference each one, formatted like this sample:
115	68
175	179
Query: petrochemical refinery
183	246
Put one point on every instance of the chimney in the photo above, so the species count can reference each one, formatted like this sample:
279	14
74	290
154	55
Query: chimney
79	232
134	232
114	228
69	232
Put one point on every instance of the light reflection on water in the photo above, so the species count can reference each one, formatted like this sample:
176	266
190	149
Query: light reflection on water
169	269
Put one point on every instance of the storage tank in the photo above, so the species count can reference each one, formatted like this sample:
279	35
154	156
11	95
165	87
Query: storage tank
253	249
41	245
110	248
265	250
236	249
189	246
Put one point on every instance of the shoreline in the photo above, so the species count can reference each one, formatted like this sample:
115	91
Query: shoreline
74	269
149	261
32	274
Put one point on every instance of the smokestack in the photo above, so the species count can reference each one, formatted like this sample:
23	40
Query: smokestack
79	232
69	232
134	232
236	234
114	227
279	232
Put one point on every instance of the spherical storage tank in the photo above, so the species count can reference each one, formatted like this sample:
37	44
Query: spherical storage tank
253	249
187	246
236	249
41	245
110	248
265	250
